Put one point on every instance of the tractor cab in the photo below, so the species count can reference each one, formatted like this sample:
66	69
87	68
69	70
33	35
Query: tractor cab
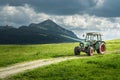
93	37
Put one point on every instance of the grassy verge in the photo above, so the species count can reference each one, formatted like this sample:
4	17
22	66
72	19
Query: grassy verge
11	54
100	67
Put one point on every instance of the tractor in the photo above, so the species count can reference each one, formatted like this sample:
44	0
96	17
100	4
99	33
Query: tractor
93	42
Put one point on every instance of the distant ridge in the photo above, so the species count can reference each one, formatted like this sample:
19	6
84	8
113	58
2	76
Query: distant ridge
45	32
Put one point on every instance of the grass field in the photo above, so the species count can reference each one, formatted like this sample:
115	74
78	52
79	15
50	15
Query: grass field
11	54
98	67
113	45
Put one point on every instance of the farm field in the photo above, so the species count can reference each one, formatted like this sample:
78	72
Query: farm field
11	54
98	67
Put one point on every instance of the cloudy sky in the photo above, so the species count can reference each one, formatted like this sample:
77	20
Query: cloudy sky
80	16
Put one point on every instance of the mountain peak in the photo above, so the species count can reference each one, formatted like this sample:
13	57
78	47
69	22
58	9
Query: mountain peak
48	21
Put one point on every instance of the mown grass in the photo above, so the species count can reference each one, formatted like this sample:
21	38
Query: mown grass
11	54
100	67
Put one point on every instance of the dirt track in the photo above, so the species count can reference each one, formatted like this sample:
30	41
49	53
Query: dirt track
17	68
20	67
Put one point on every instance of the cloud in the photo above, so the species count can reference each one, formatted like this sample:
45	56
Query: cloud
99	3
20	15
81	24
103	8
24	15
54	6
106	8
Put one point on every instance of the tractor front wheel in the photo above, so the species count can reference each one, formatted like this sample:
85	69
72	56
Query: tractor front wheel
77	50
90	51
102	48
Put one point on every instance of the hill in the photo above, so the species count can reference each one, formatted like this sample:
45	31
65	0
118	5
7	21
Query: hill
45	32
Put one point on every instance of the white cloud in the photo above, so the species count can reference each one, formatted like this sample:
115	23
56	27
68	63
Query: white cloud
20	15
24	15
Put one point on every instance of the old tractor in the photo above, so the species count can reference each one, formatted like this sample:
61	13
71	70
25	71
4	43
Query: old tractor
93	42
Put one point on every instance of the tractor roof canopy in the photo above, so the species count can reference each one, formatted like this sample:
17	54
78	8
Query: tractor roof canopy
94	34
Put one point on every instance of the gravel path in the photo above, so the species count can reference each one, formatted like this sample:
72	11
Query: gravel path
20	67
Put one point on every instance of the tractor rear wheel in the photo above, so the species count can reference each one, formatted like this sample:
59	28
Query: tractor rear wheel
77	50
102	48
90	51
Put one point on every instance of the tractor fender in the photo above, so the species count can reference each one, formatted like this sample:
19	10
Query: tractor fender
98	43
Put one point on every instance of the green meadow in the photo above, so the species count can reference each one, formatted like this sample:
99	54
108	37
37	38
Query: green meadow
100	67
97	67
11	54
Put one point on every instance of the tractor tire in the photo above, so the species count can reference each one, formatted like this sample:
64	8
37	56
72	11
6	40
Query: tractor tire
77	50
90	51
102	48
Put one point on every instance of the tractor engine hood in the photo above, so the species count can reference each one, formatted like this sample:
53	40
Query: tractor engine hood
84	43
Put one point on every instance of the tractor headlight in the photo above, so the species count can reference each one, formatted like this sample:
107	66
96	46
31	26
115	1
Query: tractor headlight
81	44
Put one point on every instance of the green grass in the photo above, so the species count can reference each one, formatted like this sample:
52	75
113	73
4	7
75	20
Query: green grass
11	54
100	67
113	44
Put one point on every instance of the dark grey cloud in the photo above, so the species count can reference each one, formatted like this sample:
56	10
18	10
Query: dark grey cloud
104	8
110	8
59	7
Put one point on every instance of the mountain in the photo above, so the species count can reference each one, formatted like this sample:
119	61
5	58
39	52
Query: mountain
45	32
